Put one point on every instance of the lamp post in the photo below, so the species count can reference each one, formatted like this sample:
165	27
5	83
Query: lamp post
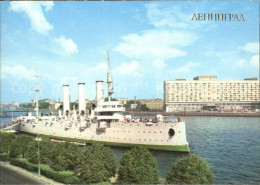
38	139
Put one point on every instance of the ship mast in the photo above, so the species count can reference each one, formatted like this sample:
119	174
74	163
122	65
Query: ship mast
36	92
110	90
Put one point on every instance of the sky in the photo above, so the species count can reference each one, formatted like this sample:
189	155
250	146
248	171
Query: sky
148	42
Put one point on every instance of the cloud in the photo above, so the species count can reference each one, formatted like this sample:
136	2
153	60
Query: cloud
69	80
132	68
167	16
185	69
35	13
159	44
17	72
255	61
252	47
240	63
68	45
102	66
158	64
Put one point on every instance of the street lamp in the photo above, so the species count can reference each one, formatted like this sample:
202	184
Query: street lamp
38	139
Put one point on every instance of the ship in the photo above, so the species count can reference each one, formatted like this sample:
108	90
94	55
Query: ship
104	122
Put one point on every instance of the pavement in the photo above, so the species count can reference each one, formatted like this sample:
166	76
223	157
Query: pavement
10	174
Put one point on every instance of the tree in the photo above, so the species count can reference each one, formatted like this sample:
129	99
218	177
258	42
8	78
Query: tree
112	99
72	105
20	145
46	149
26	105
66	156
190	170
138	166
98	164
128	104
44	105
5	141
144	107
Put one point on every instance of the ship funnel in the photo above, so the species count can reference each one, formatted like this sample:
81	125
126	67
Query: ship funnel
81	98
66	99
99	92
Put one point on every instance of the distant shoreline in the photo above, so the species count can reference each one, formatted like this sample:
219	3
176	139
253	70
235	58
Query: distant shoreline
233	114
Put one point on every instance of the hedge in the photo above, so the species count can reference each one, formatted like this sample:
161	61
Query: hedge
66	177
4	157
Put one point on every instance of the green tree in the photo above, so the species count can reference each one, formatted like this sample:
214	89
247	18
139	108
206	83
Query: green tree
112	99
190	170
138	166
128	104
26	105
44	105
97	164
144	107
46	149
72	104
20	145
66	156
5	141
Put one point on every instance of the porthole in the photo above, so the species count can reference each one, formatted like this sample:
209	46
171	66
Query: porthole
171	132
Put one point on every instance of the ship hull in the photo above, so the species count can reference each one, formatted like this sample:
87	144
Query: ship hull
155	136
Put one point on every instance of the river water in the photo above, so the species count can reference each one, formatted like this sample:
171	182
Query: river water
230	145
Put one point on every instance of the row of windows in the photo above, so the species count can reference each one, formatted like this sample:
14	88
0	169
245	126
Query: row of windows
134	139
203	104
139	131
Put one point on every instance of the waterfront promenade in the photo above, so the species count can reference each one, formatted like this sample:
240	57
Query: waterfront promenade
10	174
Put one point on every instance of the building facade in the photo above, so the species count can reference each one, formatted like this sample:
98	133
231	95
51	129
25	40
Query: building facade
153	104
207	92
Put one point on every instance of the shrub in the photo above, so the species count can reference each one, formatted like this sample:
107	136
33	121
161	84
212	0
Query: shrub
5	141
66	177
19	145
97	164
190	170
46	149
66	156
138	166
4	157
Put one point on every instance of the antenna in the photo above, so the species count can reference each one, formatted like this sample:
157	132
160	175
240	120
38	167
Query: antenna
110	90
36	91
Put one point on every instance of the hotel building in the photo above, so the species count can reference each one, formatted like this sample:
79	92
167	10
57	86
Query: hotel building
207	92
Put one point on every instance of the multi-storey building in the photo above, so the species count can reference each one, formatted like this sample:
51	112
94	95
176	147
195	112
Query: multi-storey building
206	92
